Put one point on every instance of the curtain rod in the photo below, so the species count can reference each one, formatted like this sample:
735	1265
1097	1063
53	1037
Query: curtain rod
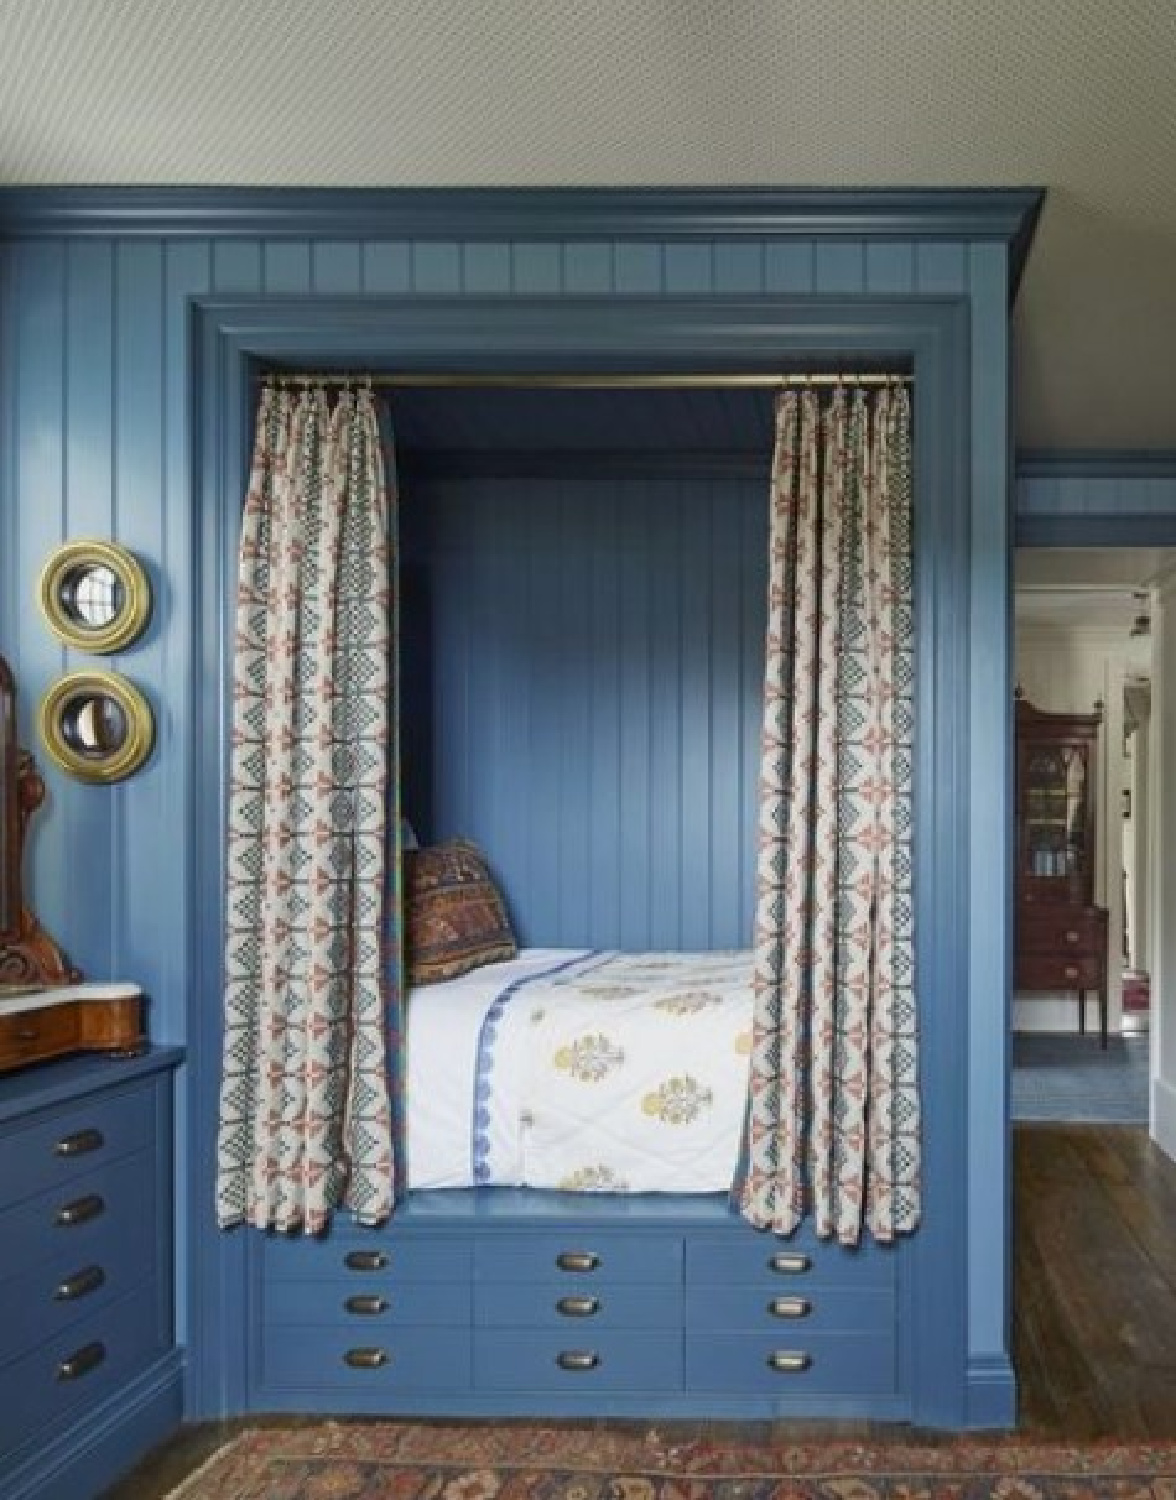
577	382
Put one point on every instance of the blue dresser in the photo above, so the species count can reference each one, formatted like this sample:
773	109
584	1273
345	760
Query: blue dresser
89	1371
502	1302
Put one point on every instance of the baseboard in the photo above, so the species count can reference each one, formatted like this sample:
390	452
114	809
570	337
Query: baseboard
91	1453
1164	1116
991	1392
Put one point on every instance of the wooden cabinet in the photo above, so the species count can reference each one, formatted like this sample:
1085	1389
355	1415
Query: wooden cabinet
1061	935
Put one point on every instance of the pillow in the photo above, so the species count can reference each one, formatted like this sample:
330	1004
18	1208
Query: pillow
454	915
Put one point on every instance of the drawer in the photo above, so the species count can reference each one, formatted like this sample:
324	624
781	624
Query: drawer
79	1367
368	1302
77	1279
1044	971
413	1359
577	1310
1062	929
576	1360
31	1035
579	1258
790	1311
758	1259
76	1217
359	1257
791	1363
58	1147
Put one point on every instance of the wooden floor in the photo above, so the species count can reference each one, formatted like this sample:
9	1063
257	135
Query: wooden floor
1094	1301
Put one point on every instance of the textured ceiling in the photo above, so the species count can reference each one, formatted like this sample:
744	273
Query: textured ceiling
1075	95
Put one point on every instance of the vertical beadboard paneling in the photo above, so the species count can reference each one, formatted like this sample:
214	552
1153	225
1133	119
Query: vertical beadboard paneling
236	266
485	269
689	270
536	269
637	269
9	609
941	269
336	268
587	269
789	268
696	689
739	268
387	268
890	268
643	505
285	268
841	267
436	268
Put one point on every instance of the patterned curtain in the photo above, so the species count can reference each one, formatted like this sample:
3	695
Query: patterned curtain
305	1119
833	1107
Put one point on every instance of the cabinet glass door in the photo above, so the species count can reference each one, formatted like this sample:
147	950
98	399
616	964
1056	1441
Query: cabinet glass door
1054	811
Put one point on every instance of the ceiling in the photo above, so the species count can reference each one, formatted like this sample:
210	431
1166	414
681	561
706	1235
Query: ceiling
1107	590
1073	95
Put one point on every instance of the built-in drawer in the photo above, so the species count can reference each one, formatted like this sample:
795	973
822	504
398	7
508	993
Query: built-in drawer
75	1217
296	1357
109	1260
366	1302
579	1257
791	1311
80	1366
58	1147
1062	929
510	1304
791	1362
351	1257
577	1360
30	1035
761	1260
1044	971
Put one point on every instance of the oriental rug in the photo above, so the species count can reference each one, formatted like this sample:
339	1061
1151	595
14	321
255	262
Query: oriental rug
527	1461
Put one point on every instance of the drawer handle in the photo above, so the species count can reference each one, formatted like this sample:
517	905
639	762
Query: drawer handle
365	1260
79	1143
367	1305
577	1260
1072	937
27	1033
789	1265
366	1359
1070	972
577	1359
80	1284
578	1307
790	1307
88	1358
81	1210
789	1361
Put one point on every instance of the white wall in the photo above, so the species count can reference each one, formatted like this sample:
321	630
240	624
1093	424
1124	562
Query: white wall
1163	901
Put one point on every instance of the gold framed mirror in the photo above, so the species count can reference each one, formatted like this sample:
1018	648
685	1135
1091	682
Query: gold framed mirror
95	596
97	726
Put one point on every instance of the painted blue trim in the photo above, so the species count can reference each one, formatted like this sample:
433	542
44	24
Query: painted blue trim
992	1393
1096	463
1060	530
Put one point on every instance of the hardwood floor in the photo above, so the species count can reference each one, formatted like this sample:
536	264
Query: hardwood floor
1094	1333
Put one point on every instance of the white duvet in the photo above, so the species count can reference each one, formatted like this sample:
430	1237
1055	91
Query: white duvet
607	1072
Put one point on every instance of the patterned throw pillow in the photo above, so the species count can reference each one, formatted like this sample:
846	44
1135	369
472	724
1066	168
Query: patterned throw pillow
455	917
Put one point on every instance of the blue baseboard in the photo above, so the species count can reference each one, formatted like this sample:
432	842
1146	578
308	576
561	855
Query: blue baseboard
90	1454
991	1392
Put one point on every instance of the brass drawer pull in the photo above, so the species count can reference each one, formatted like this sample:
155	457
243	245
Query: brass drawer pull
578	1307
366	1359
79	1143
790	1307
1072	937
367	1305
577	1359
789	1264
365	1260
27	1033
80	1284
88	1358
577	1260
81	1210
1070	972
789	1361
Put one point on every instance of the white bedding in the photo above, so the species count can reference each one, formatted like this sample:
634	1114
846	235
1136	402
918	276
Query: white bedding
610	1072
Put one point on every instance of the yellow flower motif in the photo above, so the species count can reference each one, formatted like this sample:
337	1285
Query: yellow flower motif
595	1179
590	1058
687	1002
678	1101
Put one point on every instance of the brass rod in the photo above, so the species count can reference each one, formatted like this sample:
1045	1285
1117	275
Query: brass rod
586	381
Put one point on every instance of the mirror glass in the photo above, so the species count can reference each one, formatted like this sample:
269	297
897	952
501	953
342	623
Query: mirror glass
92	595
9	808
96	725
95	596
93	725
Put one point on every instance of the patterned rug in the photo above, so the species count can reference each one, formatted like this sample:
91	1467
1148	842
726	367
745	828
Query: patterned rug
525	1461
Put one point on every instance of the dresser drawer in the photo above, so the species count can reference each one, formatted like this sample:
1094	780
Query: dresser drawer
791	1362
76	1217
36	1034
360	1257
579	1258
577	1310
1062	929
414	1359
760	1260
577	1360
368	1302
58	1147
78	1367
791	1312
1043	971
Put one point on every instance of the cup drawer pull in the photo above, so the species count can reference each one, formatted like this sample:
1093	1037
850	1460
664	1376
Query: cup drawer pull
577	1359
789	1361
367	1305
577	1260
366	1359
80	1284
81	1210
366	1260
789	1264
79	1143
88	1358
578	1307
790	1307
